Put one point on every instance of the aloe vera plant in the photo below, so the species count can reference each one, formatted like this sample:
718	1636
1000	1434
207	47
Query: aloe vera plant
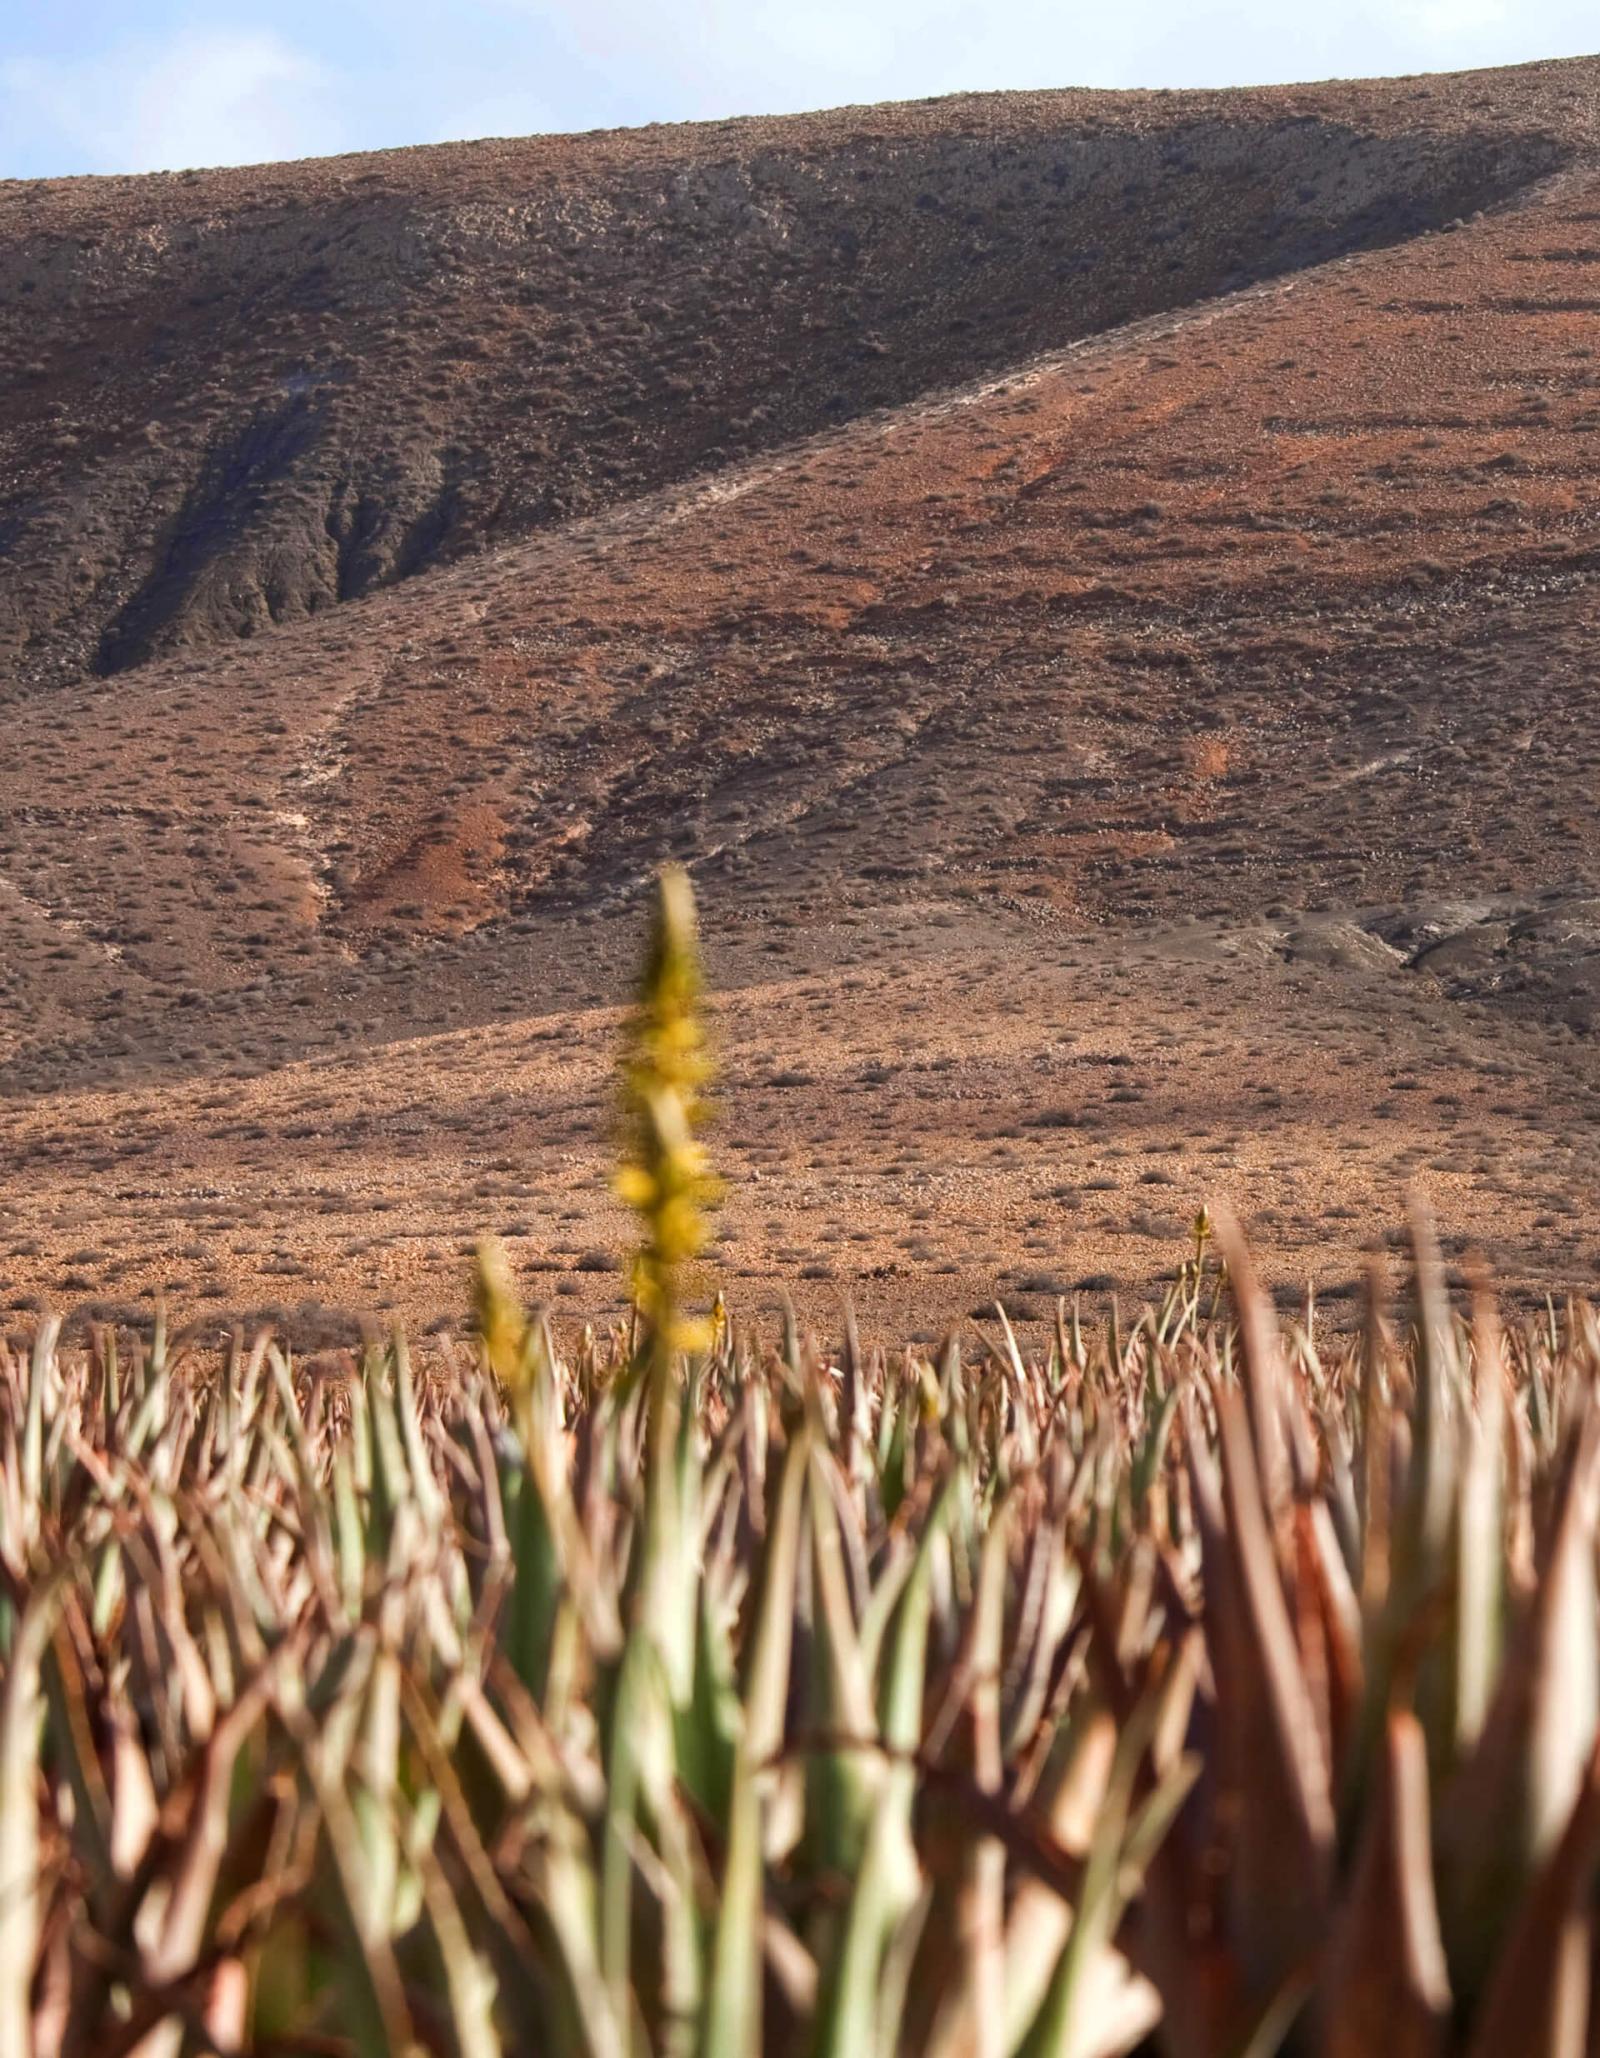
1189	1686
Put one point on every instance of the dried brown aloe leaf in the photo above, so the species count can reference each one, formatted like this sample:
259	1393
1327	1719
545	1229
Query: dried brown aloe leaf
1385	1986
1538	2002
1281	1865
1512	1796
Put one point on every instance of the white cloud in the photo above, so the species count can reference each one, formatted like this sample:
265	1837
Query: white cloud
363	74
201	98
757	56
1455	17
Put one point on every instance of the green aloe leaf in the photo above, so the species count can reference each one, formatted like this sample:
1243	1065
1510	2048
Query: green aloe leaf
21	1718
731	2026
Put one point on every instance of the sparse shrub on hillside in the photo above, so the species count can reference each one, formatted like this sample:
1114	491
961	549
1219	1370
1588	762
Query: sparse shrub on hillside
1182	1688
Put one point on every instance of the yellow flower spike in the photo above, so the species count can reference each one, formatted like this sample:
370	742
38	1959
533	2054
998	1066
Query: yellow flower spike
664	1176
501	1321
635	1186
692	1333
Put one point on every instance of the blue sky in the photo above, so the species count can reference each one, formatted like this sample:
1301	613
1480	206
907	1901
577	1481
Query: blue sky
140	85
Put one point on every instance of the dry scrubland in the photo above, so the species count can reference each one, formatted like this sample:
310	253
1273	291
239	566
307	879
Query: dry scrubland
1099	592
1183	1689
1099	588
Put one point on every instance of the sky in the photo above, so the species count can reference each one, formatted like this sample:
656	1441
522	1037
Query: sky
148	85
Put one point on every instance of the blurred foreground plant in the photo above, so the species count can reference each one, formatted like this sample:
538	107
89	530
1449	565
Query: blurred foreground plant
1185	1686
664	1176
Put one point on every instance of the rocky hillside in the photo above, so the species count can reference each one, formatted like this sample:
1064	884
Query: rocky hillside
233	398
1101	591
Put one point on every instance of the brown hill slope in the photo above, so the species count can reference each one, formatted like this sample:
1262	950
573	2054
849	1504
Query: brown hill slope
1166	763
236	397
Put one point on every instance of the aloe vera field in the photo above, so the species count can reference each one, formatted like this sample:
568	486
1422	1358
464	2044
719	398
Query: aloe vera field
1184	1686
799	1058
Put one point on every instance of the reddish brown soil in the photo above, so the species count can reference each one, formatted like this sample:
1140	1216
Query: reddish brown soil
1143	749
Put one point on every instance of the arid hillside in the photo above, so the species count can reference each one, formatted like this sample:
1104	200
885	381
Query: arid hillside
1099	588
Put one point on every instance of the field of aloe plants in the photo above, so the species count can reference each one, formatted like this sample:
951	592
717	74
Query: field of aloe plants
1180	1687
